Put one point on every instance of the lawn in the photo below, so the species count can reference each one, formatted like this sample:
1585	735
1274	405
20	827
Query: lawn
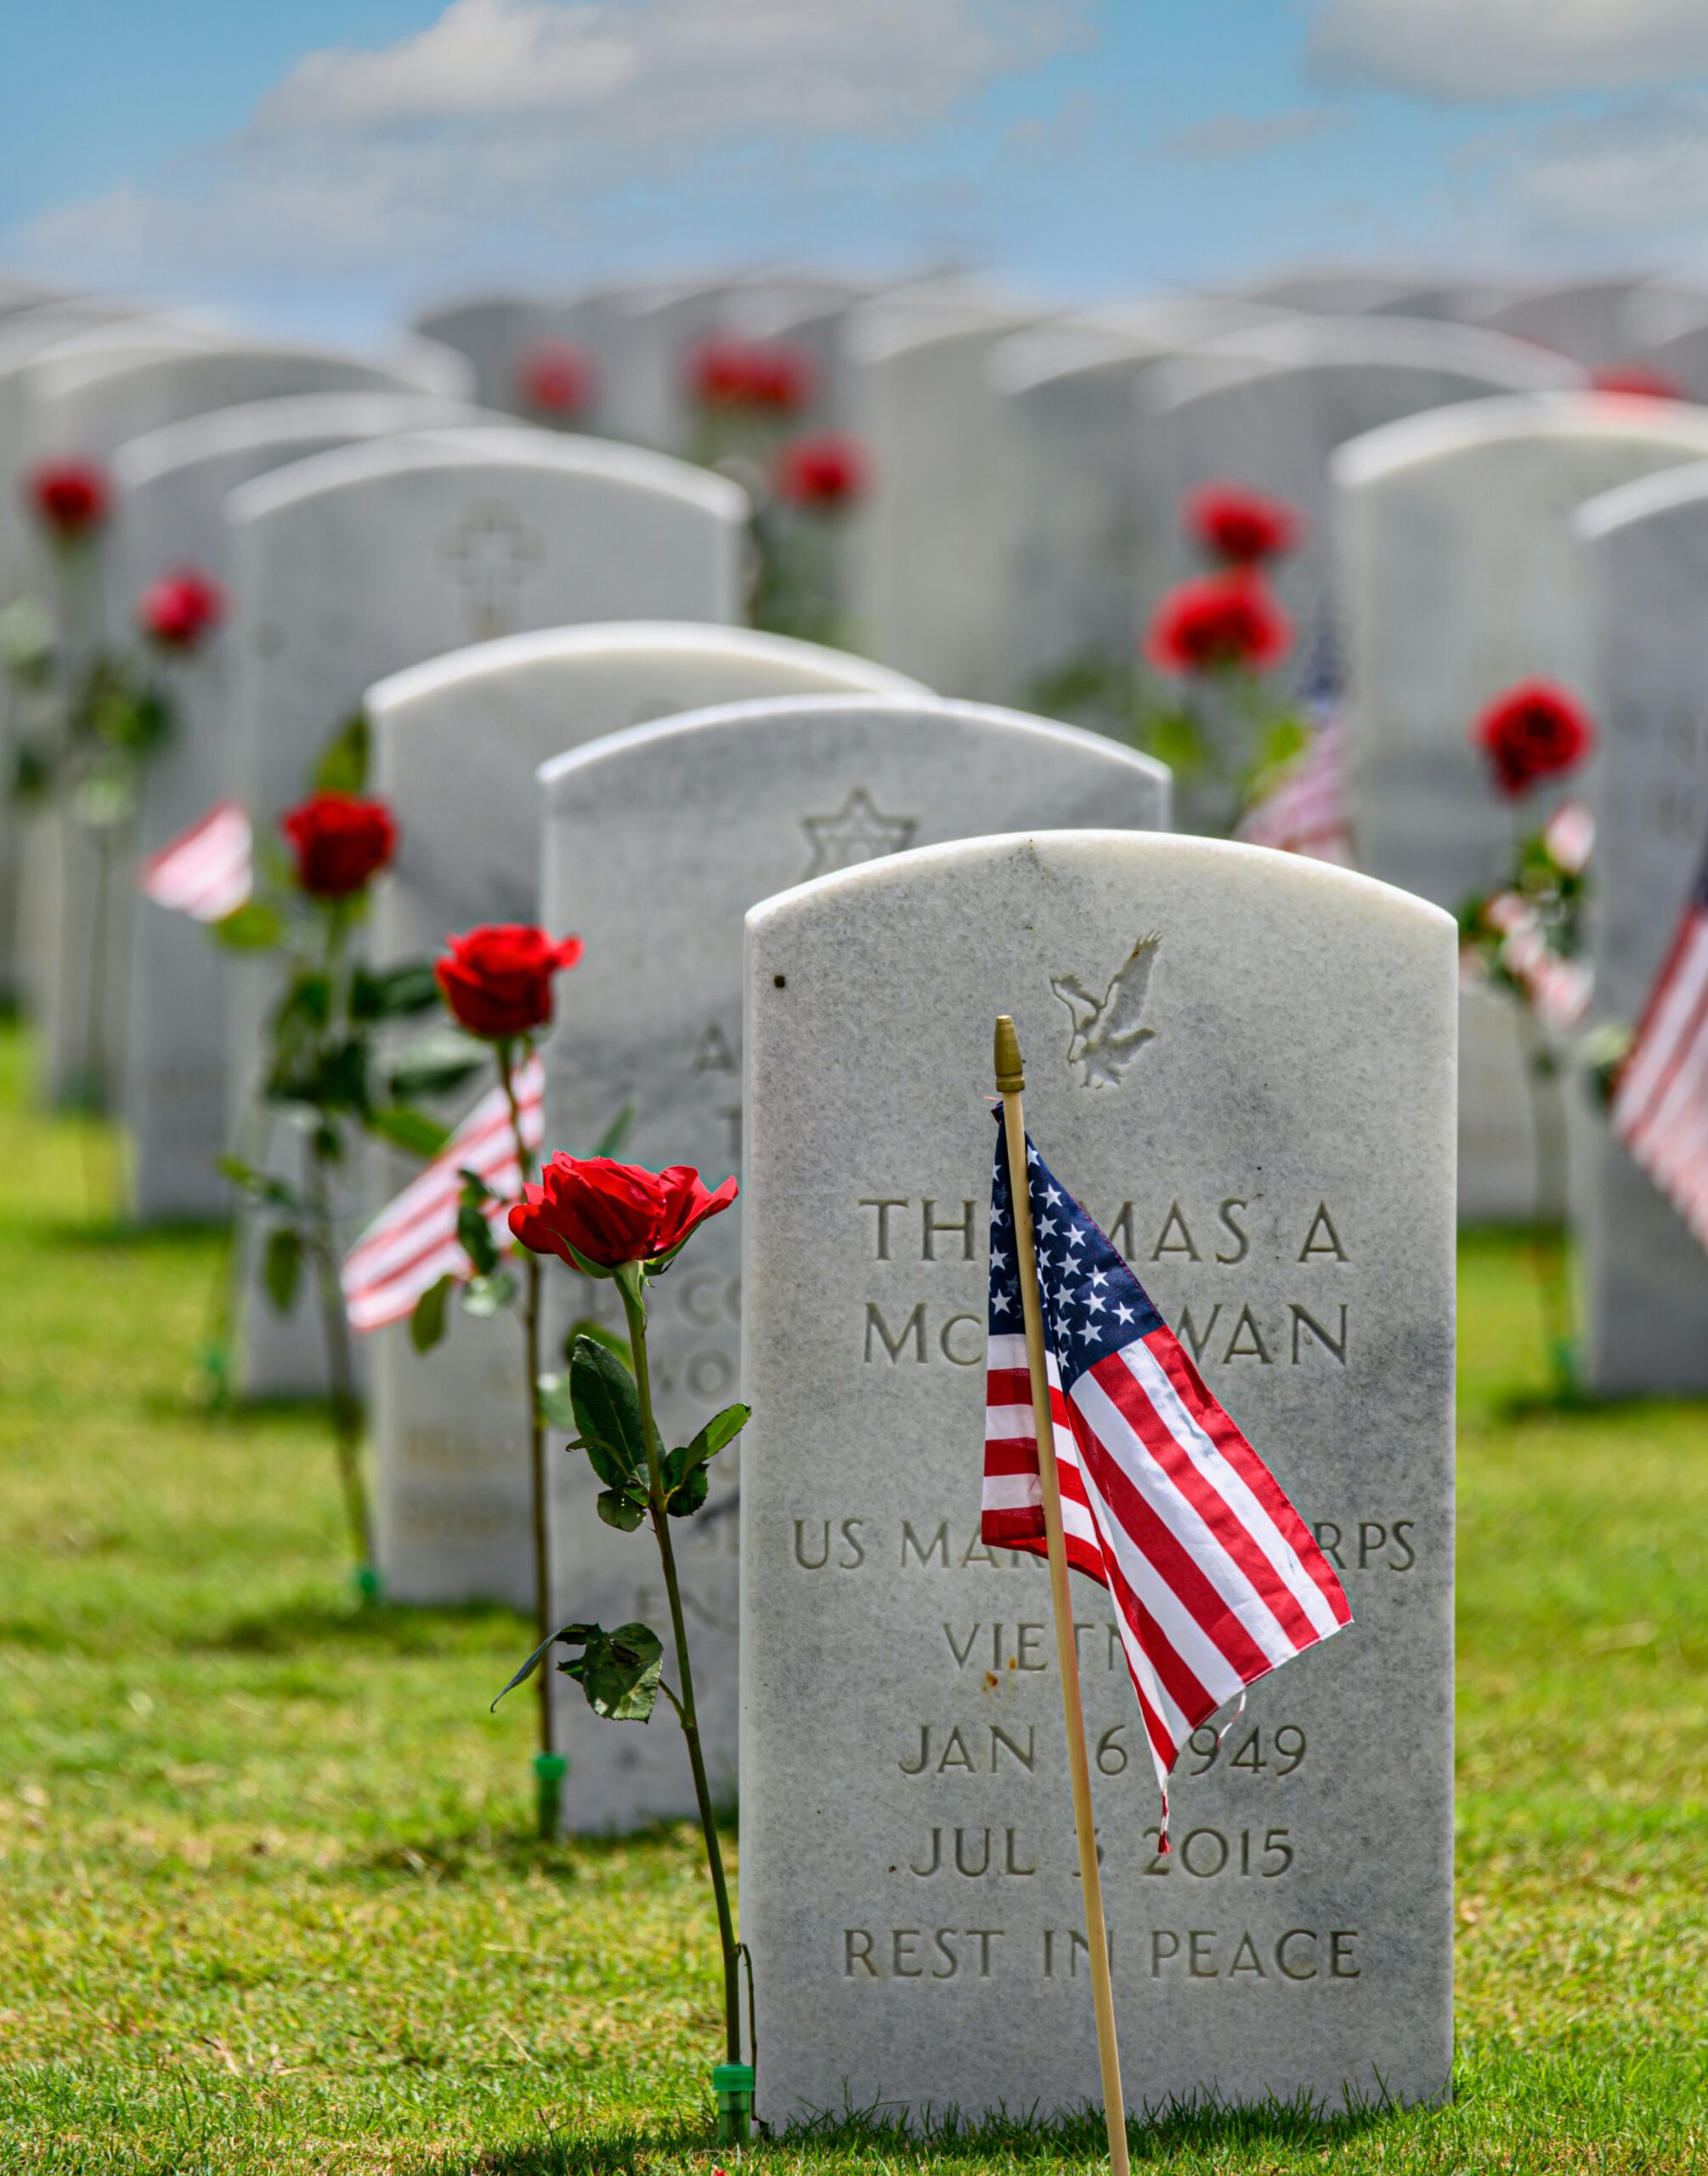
271	1904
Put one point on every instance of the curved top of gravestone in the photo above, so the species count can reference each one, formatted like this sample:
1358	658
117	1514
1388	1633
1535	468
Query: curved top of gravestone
1682	490
800	732
1330	290
1587	320
310	417
529	664
892	324
88	352
1470	426
32	332
1301	343
163	387
497	448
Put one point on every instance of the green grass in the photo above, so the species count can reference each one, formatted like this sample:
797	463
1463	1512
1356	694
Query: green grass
268	1903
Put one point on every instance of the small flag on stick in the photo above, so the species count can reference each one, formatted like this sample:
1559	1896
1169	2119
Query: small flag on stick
1305	812
412	1243
1216	1579
207	871
1660	1105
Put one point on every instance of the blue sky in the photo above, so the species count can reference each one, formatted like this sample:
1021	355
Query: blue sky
335	162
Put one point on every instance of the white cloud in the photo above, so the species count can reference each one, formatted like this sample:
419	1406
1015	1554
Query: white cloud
1243	136
1496	50
508	117
1640	170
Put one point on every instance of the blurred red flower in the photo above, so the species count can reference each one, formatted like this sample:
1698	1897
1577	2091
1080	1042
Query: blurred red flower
496	980
1536	730
179	609
724	372
339	841
1239	527
1638	382
557	378
827	471
1218	620
70	499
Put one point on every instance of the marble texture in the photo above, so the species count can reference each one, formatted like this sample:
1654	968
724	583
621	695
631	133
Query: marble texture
1459	574
1646	549
654	1016
1267	407
349	567
899	1723
922	549
457	745
171	485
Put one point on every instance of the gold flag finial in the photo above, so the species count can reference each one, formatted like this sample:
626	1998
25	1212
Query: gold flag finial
1010	1078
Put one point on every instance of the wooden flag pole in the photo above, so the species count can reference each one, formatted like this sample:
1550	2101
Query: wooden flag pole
1010	1081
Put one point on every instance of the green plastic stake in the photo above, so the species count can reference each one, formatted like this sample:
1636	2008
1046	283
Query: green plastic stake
733	2082
549	1770
371	1588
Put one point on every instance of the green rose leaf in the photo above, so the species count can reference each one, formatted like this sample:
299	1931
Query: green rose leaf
475	1190
619	1671
611	1141
620	1510
255	927
407	1128
584	1326
686	1479
281	1267
344	764
428	1321
396	994
608	1413
474	1236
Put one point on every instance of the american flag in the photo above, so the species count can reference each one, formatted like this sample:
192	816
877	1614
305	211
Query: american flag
1216	1579
207	871
1306	811
1660	1105
412	1243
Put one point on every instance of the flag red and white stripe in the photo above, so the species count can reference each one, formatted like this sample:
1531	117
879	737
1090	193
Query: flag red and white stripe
207	871
1216	1578
412	1243
1305	812
1660	1103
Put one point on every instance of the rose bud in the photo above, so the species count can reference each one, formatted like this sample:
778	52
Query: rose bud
826	472
340	842
496	980
179	609
1537	730
1239	527
599	1215
1216	621
557	378
70	499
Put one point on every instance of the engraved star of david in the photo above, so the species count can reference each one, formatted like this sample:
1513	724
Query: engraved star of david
855	833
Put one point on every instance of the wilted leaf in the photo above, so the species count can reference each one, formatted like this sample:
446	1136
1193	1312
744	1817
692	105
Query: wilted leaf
619	1671
428	1321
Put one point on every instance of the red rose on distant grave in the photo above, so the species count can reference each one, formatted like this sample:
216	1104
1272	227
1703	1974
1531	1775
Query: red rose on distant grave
179	609
826	472
1534	731
70	499
559	378
497	980
1216	621
1637	381
340	842
729	373
1239	527
610	1213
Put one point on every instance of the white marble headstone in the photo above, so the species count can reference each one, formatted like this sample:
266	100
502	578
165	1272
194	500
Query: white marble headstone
740	802
457	745
352	565
1459	576
908	1884
1647	552
171	488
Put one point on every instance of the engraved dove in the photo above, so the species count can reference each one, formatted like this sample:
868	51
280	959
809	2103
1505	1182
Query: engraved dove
1106	1035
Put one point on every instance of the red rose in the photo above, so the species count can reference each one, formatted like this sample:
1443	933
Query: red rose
179	609
1637	381
497	979
1220	619
610	1214
826	471
726	373
1534	731
1238	526
69	498
340	842
559	378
